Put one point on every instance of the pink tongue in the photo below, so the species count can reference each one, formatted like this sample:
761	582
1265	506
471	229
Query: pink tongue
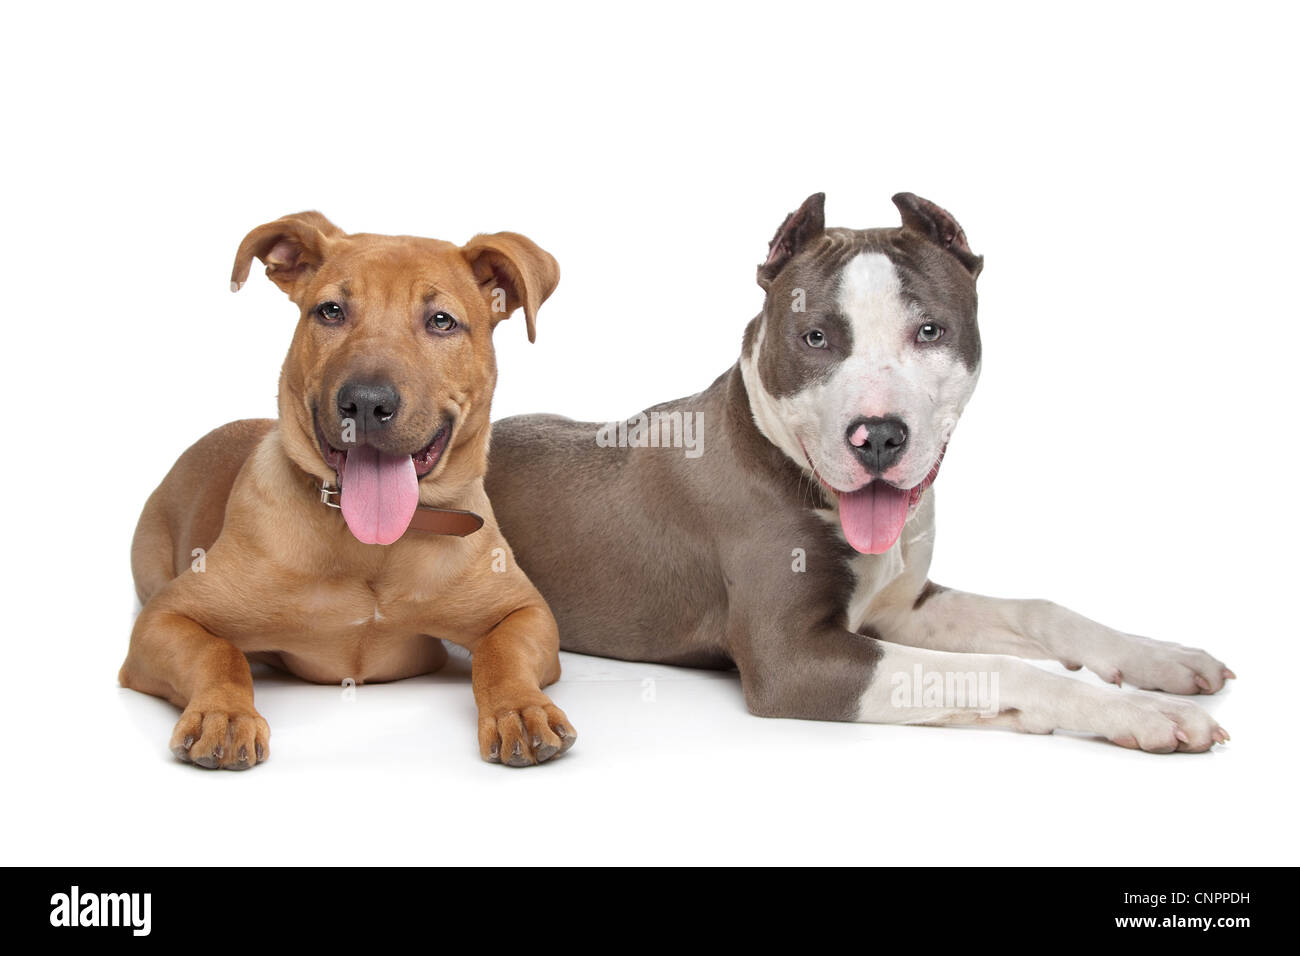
873	517
380	494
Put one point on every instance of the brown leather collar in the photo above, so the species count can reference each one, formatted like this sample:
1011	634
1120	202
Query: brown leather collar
429	520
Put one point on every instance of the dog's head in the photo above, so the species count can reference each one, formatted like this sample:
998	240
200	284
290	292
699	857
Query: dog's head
864	356
389	379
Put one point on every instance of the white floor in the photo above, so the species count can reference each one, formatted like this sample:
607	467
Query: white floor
669	768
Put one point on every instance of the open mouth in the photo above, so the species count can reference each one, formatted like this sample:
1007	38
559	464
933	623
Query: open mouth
379	492
424	460
872	517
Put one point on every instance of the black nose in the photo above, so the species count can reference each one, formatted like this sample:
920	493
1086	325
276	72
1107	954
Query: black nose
878	442
371	405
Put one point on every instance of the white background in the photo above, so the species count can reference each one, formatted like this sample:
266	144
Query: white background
1127	170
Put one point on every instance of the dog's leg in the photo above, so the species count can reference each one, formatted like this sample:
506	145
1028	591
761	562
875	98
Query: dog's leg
174	657
832	673
957	621
517	724
973	689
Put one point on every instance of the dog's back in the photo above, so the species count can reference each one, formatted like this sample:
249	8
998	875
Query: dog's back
624	602
187	510
640	550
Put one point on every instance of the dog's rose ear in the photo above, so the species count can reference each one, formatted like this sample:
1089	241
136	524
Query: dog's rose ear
291	248
937	225
800	227
512	271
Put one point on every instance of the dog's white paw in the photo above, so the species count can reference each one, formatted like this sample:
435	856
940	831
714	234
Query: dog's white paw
1159	725
1156	665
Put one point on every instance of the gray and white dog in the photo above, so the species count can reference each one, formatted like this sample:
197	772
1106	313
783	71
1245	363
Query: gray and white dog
796	546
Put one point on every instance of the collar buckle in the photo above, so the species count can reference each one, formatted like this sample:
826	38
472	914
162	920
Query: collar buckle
326	492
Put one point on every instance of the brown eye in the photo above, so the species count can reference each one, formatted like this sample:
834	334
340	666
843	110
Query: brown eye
440	322
329	313
929	332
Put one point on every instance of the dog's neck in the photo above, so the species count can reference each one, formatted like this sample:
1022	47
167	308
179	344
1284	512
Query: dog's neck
759	450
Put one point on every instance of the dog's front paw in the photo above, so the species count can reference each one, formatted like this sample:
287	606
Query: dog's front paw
1161	725
216	735
1159	665
524	735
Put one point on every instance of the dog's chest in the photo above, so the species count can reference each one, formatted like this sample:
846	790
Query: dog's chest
872	573
348	628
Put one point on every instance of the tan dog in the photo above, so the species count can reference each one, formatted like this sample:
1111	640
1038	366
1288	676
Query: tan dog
386	391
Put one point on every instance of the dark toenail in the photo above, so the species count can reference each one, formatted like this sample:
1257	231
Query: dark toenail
518	758
189	742
546	752
243	754
260	752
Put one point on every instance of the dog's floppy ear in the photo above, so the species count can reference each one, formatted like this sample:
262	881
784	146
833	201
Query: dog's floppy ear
938	225
512	271
292	247
800	227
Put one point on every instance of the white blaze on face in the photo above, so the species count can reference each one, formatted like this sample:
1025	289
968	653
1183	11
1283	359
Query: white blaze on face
887	373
